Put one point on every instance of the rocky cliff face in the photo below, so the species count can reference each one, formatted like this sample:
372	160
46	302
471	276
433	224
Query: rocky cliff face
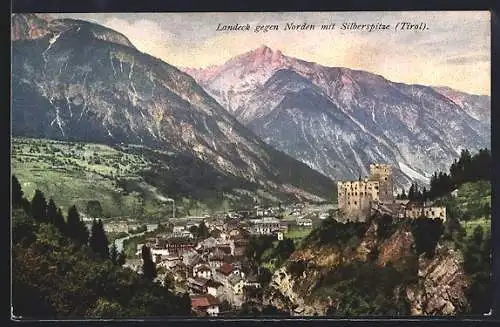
35	26
75	80
338	120
430	286
441	284
28	27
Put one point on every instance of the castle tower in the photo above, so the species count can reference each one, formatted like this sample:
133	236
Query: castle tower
383	174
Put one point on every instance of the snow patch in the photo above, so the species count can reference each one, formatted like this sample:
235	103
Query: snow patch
410	172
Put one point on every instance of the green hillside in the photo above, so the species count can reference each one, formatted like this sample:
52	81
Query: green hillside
471	205
76	173
130	180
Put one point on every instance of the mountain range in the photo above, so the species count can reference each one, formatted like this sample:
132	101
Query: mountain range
79	81
339	120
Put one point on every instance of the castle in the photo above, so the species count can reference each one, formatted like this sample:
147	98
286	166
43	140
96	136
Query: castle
358	199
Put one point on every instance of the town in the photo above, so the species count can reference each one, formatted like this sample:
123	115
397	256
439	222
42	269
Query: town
205	256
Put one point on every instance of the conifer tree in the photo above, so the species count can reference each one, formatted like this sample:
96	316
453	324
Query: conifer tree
148	266
411	192
52	212
39	207
76	228
113	254
98	241
59	221
93	238
17	193
203	230
121	259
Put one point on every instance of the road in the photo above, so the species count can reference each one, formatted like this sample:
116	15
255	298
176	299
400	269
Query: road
119	241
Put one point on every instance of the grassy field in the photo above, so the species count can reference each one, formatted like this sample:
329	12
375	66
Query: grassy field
76	173
472	205
127	180
483	222
475	199
297	234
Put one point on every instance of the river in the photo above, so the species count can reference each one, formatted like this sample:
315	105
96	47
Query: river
119	241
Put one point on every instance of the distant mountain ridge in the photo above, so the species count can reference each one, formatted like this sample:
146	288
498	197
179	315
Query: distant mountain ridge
339	120
75	80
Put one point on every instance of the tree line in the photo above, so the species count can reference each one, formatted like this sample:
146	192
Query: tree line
468	168
60	269
72	227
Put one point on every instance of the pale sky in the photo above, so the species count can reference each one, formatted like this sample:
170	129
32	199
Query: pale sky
454	51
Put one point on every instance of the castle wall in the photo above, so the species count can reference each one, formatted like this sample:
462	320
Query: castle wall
415	212
355	198
435	212
383	174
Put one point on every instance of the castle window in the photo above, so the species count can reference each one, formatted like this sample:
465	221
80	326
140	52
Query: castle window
348	202
385	178
376	187
355	203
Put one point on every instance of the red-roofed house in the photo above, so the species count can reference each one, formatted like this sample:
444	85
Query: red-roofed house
205	303
226	269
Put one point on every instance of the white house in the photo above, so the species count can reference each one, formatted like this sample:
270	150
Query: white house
323	216
203	271
178	229
306	222
159	254
169	261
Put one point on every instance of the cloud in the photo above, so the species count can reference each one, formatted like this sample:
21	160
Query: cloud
454	51
468	59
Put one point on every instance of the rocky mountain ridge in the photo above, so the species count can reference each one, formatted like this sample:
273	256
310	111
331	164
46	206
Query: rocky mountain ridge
339	120
75	80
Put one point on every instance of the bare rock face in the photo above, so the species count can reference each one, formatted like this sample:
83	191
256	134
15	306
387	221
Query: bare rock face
281	293
437	285
397	247
368	244
28	27
302	108
441	286
287	293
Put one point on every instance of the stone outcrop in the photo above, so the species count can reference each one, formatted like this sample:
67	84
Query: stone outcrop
441	287
28	27
438	288
397	247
